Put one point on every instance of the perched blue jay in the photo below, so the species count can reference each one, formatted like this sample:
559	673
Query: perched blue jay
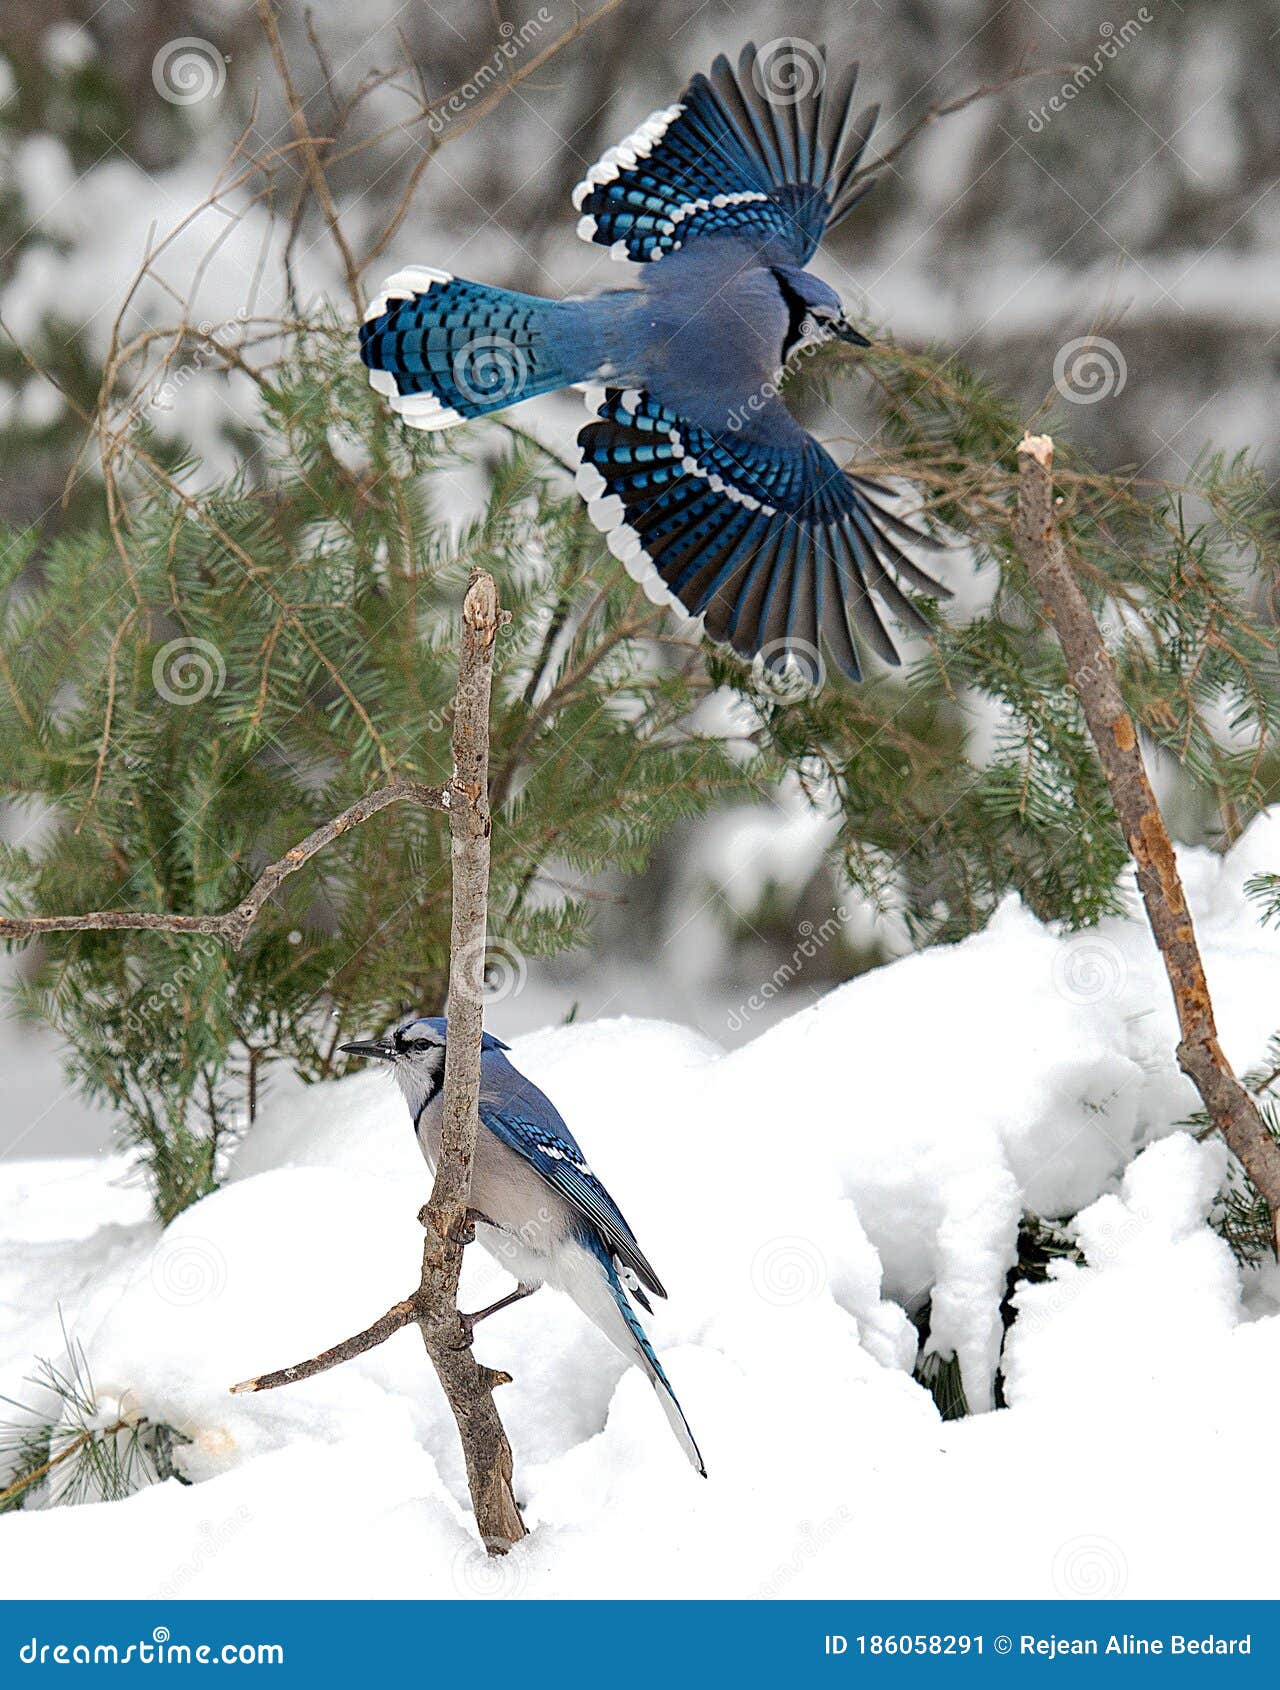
708	490
539	1210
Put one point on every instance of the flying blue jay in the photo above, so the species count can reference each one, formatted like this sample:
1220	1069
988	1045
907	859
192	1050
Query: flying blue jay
707	489
540	1211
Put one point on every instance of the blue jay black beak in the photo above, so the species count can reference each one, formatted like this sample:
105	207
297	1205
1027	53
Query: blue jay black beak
383	1049
846	332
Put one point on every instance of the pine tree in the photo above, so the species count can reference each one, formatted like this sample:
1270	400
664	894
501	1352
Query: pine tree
192	686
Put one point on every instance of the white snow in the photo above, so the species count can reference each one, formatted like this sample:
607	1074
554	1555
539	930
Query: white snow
798	1195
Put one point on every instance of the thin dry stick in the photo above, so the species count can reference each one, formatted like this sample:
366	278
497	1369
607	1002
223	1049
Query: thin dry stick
232	925
467	1383
1229	1106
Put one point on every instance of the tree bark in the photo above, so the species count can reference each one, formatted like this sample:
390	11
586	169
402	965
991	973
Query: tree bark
1229	1106
446	1219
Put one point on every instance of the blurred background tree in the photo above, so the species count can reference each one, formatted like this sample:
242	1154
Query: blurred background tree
173	718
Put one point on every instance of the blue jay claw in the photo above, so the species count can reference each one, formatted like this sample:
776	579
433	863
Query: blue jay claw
470	1321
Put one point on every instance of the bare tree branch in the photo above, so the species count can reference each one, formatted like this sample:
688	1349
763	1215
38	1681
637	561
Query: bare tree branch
310	153
447	1219
232	925
1230	1107
946	108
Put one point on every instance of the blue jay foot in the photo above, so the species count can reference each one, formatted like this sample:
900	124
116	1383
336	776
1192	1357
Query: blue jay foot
470	1321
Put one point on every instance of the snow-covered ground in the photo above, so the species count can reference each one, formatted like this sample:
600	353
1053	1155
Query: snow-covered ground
797	1195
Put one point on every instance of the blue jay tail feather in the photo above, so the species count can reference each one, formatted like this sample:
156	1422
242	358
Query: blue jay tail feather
621	1325
767	540
443	350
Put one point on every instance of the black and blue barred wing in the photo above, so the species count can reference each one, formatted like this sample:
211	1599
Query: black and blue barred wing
534	1130
779	551
769	151
443	350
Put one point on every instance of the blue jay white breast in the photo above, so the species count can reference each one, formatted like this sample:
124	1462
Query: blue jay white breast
547	1219
706	487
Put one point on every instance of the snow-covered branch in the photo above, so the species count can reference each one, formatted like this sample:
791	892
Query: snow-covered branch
1229	1106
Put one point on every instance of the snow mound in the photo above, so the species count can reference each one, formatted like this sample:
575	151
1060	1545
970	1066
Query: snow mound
800	1196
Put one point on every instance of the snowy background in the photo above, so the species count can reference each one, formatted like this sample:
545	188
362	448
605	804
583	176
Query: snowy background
803	1177
799	1196
1141	208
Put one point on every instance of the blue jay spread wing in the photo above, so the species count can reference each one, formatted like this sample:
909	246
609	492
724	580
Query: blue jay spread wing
770	151
759	533
531	1126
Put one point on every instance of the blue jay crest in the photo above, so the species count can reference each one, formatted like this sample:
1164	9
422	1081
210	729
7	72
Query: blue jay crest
704	485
